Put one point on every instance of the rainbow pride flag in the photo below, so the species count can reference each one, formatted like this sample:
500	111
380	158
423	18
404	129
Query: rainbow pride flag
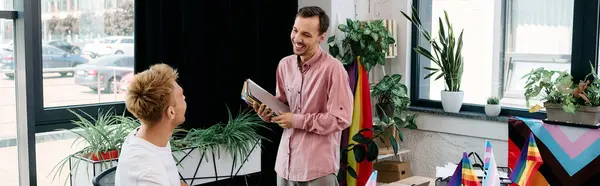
362	117
529	161
464	174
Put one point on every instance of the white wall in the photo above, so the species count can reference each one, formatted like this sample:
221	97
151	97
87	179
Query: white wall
443	139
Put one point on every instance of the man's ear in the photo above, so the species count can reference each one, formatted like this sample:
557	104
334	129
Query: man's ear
171	112
322	37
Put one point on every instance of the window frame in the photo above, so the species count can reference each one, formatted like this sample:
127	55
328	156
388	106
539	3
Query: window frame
53	118
585	41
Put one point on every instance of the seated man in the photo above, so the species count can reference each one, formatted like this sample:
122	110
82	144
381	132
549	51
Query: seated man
155	98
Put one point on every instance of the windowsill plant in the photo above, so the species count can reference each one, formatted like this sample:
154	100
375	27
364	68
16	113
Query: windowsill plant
446	54
564	100
493	107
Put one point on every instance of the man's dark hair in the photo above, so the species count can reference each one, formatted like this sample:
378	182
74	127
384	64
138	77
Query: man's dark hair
309	11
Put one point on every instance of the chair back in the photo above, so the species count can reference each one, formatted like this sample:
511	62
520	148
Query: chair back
106	178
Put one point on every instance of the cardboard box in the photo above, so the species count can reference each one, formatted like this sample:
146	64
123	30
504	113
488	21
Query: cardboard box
416	180
391	171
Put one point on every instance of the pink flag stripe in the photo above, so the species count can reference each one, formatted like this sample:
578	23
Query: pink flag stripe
573	149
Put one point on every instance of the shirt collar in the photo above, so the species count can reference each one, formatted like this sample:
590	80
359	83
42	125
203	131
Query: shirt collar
312	60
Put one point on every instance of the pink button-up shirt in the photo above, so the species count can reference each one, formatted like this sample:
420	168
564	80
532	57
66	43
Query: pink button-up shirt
320	98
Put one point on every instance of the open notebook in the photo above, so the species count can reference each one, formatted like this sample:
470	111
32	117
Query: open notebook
252	93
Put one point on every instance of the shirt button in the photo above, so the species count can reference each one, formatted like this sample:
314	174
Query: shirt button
298	92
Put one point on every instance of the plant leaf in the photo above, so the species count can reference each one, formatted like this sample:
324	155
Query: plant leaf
359	153
429	75
358	137
432	69
343	27
375	36
352	172
331	39
400	135
372	152
426	54
441	75
394	144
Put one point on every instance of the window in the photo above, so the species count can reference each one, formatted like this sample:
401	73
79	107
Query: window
502	42
539	34
87	36
50	50
8	121
108	41
125	62
478	49
127	41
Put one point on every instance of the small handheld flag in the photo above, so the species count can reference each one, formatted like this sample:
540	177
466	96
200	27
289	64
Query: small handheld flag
372	180
492	178
464	174
529	161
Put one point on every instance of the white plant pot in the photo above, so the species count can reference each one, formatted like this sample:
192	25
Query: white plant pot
223	162
83	170
452	101
492	110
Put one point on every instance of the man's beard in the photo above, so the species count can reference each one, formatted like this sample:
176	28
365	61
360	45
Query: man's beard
300	50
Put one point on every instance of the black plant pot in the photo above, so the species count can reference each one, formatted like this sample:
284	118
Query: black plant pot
386	108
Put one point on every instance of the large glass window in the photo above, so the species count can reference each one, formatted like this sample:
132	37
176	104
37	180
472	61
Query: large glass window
503	41
477	18
539	34
74	75
8	119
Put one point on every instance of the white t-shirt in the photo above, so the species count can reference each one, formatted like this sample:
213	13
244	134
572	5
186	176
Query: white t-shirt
145	164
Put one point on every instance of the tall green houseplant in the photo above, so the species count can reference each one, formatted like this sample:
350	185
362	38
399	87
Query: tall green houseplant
364	43
446	54
365	39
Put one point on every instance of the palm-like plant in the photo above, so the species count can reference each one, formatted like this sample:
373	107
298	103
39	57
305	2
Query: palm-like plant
447	51
102	138
236	136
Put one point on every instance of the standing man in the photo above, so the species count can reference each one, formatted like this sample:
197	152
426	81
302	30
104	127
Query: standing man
315	86
155	98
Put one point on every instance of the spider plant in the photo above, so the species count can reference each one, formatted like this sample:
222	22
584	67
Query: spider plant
236	136
101	136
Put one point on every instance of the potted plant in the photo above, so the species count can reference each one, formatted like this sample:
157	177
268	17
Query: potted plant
228	149
492	108
368	40
565	101
392	109
103	137
447	56
391	94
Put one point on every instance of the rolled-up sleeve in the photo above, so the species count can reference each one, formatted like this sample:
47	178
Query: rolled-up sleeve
339	107
280	86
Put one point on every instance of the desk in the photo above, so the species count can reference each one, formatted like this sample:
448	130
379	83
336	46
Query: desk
571	155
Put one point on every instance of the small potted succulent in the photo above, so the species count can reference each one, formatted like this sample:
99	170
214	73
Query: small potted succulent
492	108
